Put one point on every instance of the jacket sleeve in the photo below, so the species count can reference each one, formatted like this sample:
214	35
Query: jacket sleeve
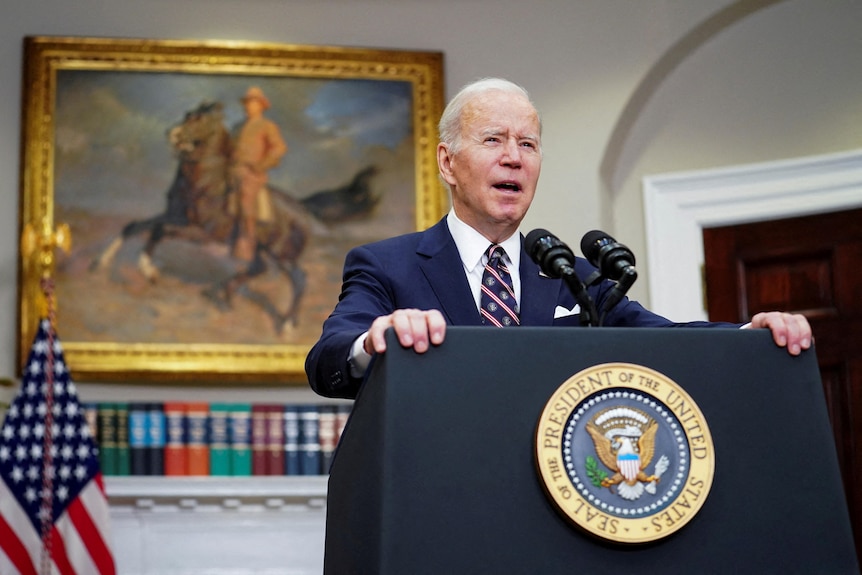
366	294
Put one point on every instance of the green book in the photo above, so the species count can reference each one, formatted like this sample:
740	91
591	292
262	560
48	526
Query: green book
240	438
107	438
220	460
122	448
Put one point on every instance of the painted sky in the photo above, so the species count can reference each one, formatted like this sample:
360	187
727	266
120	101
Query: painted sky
112	153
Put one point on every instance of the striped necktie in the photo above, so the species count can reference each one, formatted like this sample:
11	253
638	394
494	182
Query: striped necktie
499	307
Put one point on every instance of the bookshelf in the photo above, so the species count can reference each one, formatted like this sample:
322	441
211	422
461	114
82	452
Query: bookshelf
220	432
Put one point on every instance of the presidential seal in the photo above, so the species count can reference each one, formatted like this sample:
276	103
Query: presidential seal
624	453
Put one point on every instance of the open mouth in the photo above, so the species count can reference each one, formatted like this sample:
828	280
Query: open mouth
508	186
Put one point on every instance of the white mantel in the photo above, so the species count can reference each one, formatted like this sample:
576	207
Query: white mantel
218	525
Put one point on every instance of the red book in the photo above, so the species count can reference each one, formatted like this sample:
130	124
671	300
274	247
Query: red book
258	439
274	440
198	448
176	447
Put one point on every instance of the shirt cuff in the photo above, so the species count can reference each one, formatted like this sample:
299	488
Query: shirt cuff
358	358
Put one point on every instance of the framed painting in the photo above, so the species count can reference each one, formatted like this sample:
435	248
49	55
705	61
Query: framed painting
212	190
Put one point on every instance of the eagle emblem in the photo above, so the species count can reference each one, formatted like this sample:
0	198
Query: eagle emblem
624	439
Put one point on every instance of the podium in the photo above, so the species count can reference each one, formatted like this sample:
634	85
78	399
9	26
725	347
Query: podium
436	471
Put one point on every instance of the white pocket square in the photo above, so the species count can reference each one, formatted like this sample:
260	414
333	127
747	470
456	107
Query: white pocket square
560	311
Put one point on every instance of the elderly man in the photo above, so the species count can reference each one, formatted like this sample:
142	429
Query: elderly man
257	148
490	156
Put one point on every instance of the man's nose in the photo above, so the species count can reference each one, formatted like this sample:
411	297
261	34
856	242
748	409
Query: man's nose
511	152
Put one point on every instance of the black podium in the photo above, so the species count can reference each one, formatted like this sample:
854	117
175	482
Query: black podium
436	474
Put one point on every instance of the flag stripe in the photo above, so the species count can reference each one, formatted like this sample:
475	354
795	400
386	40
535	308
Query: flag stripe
58	552
14	551
6	565
75	549
22	545
91	537
95	502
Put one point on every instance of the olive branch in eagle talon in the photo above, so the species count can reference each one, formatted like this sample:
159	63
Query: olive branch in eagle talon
596	475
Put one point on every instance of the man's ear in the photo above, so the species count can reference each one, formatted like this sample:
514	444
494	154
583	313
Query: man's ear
444	163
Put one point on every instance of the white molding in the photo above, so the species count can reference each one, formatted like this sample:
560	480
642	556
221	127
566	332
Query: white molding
677	207
225	525
188	493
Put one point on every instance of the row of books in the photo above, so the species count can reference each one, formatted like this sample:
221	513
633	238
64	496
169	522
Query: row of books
194	438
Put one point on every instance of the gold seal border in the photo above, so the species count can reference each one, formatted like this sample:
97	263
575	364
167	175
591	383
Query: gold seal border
558	486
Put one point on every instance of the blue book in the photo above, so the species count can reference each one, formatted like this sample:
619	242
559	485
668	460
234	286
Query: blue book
309	440
138	438
155	439
291	440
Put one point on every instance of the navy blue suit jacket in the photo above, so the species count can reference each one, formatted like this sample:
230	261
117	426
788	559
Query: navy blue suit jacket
423	270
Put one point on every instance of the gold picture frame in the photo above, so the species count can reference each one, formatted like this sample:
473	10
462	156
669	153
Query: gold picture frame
104	150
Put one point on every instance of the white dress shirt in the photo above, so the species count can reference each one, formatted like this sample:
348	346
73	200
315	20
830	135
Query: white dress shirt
471	247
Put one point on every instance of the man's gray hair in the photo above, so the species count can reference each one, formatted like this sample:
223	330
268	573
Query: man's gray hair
450	122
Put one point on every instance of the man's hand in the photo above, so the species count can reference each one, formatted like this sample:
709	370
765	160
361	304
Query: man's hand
788	330
414	327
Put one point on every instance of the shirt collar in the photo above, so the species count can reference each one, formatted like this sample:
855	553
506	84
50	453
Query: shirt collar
472	245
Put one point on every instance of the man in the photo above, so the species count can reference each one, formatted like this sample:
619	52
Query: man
490	157
257	148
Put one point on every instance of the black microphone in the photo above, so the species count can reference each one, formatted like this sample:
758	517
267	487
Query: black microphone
552	255
614	261
557	260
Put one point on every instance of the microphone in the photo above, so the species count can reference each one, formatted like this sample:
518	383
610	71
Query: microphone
614	261
552	255
557	260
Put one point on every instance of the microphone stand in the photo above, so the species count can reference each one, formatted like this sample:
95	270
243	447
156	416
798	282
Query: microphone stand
623	284
589	314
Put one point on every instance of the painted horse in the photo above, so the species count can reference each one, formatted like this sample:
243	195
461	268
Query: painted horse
197	210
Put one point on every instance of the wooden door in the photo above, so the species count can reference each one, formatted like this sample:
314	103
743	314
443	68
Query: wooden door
810	265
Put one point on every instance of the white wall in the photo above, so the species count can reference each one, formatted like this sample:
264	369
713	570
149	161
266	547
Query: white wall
626	88
780	84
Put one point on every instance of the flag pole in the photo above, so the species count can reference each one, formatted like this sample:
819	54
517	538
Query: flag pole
42	246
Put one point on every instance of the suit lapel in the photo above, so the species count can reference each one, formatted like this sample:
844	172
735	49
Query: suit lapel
538	293
441	264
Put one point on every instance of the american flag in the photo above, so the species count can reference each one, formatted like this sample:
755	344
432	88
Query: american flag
53	508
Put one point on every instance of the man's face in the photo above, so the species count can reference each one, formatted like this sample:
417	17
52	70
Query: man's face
253	107
494	173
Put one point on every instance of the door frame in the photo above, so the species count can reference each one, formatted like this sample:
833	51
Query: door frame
677	206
